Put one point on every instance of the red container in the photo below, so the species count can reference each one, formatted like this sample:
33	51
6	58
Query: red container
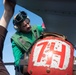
51	56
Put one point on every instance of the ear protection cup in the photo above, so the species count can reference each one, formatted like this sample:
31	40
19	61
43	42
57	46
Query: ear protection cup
15	27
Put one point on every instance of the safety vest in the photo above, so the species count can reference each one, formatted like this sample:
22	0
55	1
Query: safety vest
23	42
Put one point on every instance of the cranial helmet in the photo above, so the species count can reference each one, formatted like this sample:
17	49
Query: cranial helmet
20	17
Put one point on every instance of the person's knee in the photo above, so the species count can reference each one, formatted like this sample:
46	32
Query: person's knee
24	70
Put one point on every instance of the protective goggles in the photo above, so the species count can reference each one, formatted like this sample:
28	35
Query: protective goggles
20	18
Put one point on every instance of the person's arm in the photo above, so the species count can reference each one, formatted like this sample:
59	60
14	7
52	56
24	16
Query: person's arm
4	21
17	53
8	13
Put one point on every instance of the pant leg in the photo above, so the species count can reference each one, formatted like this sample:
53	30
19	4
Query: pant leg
24	64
